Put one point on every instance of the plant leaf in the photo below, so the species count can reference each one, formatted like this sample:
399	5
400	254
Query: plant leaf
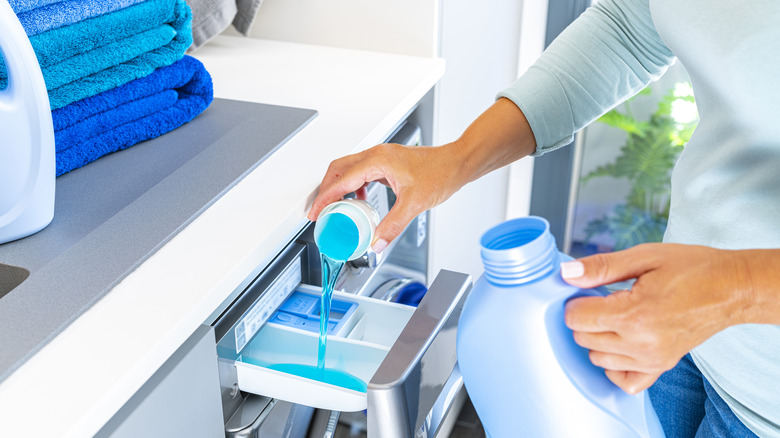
630	226
622	121
596	227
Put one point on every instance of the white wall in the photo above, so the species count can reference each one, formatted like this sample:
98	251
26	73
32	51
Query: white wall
479	42
407	27
532	38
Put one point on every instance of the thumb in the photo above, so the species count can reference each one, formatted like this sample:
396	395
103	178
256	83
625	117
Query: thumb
393	225
601	269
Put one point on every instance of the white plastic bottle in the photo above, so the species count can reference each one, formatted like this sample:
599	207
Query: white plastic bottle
522	369
27	160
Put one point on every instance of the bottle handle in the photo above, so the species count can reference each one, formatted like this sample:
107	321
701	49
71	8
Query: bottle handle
633	411
27	163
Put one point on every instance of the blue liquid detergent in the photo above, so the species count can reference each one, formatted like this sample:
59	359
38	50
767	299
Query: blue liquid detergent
337	241
339	238
330	272
332	377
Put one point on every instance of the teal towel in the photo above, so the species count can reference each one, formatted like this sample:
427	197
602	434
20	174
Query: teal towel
104	52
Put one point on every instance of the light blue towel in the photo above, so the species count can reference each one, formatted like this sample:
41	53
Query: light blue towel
20	6
101	53
67	12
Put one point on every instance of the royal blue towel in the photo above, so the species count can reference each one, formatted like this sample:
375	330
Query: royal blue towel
67	12
100	53
139	110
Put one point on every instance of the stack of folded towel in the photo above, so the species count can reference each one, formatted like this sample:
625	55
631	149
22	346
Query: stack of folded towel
115	71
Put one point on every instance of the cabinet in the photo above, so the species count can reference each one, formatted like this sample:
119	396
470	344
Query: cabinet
139	324
180	399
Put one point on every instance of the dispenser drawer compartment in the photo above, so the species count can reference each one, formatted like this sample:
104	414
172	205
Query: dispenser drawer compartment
397	363
281	360
377	359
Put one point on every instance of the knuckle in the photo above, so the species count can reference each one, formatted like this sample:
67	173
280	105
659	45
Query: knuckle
598	266
394	229
384	150
333	167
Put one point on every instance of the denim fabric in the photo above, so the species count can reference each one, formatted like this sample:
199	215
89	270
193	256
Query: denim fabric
689	407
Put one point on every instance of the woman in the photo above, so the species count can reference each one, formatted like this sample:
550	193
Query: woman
713	287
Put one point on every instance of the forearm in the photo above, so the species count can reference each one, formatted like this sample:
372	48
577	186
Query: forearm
498	137
760	274
607	55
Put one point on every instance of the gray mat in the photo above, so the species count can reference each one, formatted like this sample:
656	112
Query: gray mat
112	214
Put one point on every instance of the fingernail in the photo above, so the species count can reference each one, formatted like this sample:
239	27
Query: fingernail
573	269
379	245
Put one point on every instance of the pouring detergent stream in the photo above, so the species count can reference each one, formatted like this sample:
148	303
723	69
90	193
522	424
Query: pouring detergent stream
337	242
344	231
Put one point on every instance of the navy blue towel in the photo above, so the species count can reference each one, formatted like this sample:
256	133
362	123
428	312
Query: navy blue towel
136	111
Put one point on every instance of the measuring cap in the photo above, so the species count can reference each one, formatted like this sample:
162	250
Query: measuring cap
345	229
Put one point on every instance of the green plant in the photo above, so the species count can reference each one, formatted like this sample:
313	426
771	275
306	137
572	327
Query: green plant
646	161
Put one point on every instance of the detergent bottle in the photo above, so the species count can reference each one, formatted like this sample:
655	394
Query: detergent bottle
27	160
523	371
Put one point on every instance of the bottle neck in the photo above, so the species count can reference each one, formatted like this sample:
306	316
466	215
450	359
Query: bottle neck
519	251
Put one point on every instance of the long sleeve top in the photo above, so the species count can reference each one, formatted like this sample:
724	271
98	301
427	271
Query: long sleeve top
726	183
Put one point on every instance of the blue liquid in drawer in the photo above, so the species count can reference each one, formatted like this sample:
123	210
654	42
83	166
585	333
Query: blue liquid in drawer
326	375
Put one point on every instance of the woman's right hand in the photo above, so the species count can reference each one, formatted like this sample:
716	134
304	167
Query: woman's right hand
424	177
421	178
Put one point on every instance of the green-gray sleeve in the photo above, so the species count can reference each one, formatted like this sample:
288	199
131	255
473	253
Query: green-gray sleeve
608	54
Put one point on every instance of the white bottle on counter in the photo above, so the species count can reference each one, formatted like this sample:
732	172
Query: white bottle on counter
27	154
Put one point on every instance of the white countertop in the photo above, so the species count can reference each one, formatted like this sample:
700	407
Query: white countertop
76	383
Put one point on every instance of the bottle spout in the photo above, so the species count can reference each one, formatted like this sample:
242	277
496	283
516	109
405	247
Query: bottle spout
519	251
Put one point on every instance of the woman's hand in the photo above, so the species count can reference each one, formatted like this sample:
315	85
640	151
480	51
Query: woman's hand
421	177
683	294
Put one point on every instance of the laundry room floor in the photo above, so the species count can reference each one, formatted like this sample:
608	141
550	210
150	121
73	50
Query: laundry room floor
466	426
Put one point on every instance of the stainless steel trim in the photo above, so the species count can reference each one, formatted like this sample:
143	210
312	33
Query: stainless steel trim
574	185
248	418
441	409
333	422
402	393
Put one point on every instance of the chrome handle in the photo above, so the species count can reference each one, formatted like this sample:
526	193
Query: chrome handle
402	381
369	259
333	422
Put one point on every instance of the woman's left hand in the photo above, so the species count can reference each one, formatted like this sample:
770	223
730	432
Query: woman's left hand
683	294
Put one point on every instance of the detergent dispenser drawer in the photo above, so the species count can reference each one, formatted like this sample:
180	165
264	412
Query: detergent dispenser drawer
392	360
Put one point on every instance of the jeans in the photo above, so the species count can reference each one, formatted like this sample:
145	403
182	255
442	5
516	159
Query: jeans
689	407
